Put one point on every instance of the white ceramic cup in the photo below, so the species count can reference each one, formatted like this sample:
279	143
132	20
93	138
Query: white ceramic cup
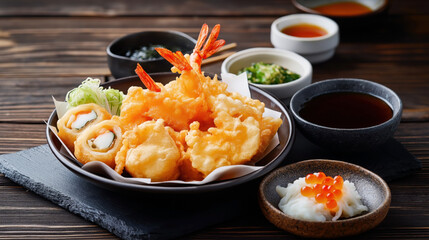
315	49
287	59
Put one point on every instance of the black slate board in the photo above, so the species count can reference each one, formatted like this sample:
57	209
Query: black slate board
129	216
143	216
390	160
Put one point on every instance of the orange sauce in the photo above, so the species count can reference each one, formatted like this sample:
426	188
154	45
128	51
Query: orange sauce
343	9
304	30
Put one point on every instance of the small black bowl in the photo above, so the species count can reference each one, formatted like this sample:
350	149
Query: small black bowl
122	66
347	139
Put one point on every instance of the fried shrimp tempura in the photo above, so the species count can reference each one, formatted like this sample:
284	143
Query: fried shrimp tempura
176	110
148	151
183	130
199	123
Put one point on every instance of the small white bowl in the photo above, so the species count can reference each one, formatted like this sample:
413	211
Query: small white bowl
376	6
315	49
287	59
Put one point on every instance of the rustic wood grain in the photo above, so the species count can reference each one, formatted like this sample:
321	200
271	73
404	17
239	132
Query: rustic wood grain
79	49
22	209
48	47
143	8
97	8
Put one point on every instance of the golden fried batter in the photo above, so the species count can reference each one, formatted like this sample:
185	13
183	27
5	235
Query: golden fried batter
148	151
192	125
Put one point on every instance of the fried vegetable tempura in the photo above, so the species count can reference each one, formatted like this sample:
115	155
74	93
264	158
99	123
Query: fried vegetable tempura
148	151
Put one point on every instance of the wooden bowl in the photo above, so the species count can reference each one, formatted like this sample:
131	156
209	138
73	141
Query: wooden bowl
374	191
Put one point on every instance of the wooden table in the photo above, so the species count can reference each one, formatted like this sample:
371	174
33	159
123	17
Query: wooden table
49	47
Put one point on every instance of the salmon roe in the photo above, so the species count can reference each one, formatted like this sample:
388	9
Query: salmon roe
324	189
307	191
320	176
338	182
311	179
331	204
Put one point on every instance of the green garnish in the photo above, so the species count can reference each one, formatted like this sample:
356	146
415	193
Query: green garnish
114	97
89	91
266	73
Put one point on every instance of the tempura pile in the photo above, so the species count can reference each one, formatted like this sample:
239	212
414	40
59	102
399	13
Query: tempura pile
189	127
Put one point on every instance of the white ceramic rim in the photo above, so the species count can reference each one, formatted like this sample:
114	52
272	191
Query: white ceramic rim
307	6
306	65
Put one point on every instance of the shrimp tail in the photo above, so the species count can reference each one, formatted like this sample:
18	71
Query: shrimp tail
146	79
210	47
177	59
202	37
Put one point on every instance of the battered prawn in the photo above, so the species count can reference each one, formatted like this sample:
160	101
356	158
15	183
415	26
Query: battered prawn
180	102
210	126
239	131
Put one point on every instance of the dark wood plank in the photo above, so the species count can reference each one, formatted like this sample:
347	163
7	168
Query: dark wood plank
29	99
80	44
96	8
49	47
79	50
143	8
24	215
19	136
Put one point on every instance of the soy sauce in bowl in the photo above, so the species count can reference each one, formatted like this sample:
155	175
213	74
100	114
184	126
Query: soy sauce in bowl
347	114
346	110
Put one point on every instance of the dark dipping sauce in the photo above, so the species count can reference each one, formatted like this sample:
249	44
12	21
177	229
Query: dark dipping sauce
346	110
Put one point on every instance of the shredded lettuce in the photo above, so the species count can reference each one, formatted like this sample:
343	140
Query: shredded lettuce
91	92
114	98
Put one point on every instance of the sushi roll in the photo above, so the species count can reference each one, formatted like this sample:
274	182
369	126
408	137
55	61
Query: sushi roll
99	142
76	119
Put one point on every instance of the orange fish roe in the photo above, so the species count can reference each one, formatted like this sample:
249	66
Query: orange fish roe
324	189
328	181
331	204
311	179
320	197
307	191
317	188
320	177
338	182
337	193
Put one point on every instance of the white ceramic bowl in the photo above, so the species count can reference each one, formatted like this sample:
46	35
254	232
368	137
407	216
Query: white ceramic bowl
377	6
287	59
315	49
